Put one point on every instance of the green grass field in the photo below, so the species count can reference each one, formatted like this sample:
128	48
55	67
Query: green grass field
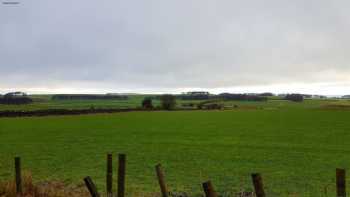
42	102
295	146
45	102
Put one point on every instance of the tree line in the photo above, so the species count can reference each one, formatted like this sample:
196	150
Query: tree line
9	99
168	101
88	97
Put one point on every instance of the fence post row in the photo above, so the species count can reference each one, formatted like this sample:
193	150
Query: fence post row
340	182
258	185
209	189
18	175
109	178
161	180
91	186
121	175
207	186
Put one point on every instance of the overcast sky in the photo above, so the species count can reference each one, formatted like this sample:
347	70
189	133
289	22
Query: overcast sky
177	45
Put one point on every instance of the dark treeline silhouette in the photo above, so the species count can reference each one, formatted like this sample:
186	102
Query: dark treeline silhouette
147	103
87	97
241	97
266	94
194	96
48	112
9	99
294	97
168	101
55	112
225	96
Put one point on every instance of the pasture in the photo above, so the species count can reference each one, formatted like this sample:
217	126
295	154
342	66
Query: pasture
42	102
295	146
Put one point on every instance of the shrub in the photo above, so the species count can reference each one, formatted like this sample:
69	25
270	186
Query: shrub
168	101
147	103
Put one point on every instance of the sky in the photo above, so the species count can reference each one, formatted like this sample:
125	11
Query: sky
157	46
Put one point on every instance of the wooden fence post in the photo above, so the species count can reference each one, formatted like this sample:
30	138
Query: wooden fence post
91	186
209	189
161	180
121	174
109	178
258	185
18	175
340	182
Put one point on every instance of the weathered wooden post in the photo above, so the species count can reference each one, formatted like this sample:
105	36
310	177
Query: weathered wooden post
109	176
340	182
121	175
209	189
91	186
18	176
161	180
258	185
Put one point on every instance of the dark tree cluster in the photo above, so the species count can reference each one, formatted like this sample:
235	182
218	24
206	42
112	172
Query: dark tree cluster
195	96
13	100
88	97
168	101
294	97
307	96
241	97
147	103
266	94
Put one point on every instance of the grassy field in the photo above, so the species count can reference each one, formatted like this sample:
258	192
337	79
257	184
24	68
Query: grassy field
42	102
295	146
45	102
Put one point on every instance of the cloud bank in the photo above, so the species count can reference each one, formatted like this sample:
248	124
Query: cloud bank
159	46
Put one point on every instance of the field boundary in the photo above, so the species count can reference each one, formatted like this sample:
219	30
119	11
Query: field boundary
61	112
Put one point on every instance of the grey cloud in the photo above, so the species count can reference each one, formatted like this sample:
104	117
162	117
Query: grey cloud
173	44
